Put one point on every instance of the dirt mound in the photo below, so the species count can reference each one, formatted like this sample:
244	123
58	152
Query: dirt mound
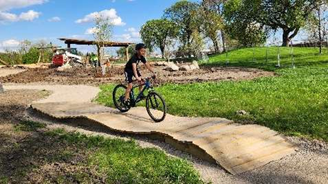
92	76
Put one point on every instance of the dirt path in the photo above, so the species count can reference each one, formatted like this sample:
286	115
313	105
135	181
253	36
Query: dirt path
308	165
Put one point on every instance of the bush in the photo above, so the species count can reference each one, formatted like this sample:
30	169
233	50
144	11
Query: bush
32	56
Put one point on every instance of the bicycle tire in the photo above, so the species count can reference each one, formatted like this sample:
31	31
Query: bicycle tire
149	103
118	104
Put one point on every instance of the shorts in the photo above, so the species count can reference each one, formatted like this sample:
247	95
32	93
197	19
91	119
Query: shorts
129	75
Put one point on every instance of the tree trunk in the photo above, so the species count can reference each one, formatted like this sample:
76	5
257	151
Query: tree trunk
162	48
215	44
223	41
319	30
285	38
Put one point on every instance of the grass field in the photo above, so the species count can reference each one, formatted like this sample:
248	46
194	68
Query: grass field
96	159
295	102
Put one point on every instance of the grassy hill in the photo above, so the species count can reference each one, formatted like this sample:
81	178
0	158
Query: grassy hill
295	102
267	58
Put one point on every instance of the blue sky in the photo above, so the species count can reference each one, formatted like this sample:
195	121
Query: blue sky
50	19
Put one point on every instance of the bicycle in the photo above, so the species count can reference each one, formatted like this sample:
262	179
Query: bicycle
155	103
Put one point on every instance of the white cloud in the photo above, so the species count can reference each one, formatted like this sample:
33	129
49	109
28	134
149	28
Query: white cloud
91	31
4	17
132	35
29	16
10	43
111	15
24	16
6	5
54	19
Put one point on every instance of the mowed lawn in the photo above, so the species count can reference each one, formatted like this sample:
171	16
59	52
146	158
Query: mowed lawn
295	102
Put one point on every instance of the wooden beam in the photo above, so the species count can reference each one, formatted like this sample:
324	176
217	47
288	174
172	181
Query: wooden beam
3	62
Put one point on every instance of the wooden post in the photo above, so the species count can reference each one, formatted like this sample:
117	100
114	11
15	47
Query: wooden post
127	53
68	45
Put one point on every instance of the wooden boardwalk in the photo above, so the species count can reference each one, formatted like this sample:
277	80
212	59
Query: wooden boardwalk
237	148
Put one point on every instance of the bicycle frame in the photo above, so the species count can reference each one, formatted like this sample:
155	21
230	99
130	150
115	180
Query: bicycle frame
147	85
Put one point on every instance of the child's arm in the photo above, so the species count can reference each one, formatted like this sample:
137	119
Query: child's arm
149	67
134	66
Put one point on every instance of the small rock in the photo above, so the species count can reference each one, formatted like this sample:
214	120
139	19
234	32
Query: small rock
185	68
160	63
171	66
193	67
241	112
213	69
195	63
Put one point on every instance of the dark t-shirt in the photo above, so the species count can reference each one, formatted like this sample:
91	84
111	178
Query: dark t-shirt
135	59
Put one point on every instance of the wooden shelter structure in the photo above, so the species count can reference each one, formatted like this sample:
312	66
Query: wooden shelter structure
69	42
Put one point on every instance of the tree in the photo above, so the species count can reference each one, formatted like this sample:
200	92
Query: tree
157	33
216	6
122	51
241	23
185	15
31	56
102	34
288	15
317	24
25	46
212	24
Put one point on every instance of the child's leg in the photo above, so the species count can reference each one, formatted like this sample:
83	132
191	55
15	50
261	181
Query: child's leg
128	91
140	85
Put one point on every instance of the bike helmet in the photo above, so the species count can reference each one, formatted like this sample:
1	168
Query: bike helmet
140	46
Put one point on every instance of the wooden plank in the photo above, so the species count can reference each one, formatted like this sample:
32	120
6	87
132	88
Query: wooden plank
190	134
240	138
250	157
278	154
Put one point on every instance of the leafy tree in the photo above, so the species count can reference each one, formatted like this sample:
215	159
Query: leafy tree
316	25
288	15
210	7
212	24
185	15
122	51
31	56
157	33
242	25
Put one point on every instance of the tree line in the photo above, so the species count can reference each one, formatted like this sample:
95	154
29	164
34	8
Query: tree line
186	26
27	53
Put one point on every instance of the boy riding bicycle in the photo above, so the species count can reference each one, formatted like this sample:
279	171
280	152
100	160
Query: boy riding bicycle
131	69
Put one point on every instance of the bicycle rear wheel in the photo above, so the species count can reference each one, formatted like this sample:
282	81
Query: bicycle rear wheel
118	98
156	107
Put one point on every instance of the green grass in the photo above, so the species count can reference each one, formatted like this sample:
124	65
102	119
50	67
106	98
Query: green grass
29	126
244	57
295	102
126	162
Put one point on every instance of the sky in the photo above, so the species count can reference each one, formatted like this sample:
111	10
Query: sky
48	20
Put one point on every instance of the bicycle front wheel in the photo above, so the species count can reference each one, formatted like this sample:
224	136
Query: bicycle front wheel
156	106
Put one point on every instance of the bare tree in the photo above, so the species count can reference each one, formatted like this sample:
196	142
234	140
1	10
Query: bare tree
102	34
